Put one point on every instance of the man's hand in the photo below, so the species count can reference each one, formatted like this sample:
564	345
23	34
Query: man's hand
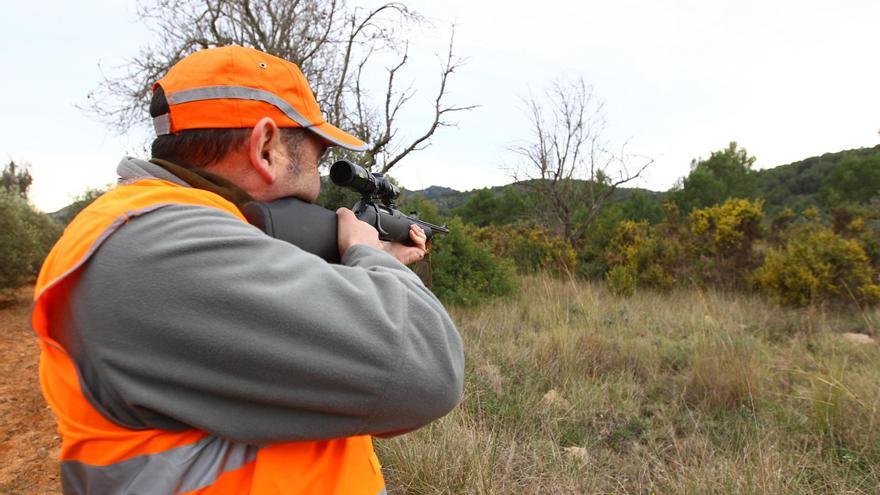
409	254
351	231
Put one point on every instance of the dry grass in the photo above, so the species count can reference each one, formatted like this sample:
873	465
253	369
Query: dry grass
573	390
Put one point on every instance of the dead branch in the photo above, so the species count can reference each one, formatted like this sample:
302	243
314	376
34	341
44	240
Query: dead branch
567	161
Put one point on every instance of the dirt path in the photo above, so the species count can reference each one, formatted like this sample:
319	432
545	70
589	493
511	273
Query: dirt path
29	444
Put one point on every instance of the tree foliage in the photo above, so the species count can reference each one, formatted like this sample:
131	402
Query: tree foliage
855	179
16	179
422	207
725	174
492	207
804	183
27	235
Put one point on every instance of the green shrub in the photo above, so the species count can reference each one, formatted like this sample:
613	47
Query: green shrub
638	256
424	208
26	236
780	224
531	248
465	272
622	280
818	266
861	223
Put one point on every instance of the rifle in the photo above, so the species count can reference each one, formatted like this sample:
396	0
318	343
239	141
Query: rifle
313	228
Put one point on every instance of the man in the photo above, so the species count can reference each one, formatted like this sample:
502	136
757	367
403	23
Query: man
185	351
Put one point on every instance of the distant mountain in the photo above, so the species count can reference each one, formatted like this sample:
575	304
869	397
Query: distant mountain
448	199
64	215
797	185
436	191
794	185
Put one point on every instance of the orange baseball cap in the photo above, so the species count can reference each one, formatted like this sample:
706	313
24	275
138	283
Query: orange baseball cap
233	87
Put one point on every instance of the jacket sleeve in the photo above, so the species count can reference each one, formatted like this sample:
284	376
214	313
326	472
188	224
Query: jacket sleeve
188	317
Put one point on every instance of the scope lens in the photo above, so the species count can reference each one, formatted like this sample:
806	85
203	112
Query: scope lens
346	174
341	172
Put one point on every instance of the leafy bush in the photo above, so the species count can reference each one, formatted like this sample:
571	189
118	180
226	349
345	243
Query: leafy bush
488	207
622	280
818	266
780	224
638	256
531	248
861	223
424	208
465	272
723	238
592	260
27	235
639	206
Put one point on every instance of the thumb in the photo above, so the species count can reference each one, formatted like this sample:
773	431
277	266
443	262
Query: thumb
345	215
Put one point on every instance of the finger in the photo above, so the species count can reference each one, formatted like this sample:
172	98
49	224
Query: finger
417	235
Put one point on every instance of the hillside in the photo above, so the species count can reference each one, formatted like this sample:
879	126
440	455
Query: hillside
794	185
797	185
448	199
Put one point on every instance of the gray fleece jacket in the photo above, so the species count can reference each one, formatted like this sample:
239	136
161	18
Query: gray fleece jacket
187	317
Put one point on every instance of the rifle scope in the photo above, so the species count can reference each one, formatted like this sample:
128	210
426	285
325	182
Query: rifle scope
343	173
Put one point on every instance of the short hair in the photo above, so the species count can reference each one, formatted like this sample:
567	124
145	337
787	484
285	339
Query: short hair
199	148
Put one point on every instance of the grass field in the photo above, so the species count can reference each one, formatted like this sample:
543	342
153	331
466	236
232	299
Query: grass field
570	389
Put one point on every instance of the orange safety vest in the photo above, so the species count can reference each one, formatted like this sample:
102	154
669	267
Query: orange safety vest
99	456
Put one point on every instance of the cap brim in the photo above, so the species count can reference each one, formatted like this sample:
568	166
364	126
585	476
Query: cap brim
338	137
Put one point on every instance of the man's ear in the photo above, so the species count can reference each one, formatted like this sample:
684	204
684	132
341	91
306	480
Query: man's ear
265	139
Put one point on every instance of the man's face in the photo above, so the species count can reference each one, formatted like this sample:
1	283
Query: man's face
302	178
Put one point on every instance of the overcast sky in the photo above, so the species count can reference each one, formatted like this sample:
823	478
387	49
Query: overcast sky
786	79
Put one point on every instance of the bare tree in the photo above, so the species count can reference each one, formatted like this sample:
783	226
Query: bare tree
332	43
567	159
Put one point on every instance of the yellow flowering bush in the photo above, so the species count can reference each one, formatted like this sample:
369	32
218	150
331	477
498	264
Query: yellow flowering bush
818	266
722	238
531	248
638	256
